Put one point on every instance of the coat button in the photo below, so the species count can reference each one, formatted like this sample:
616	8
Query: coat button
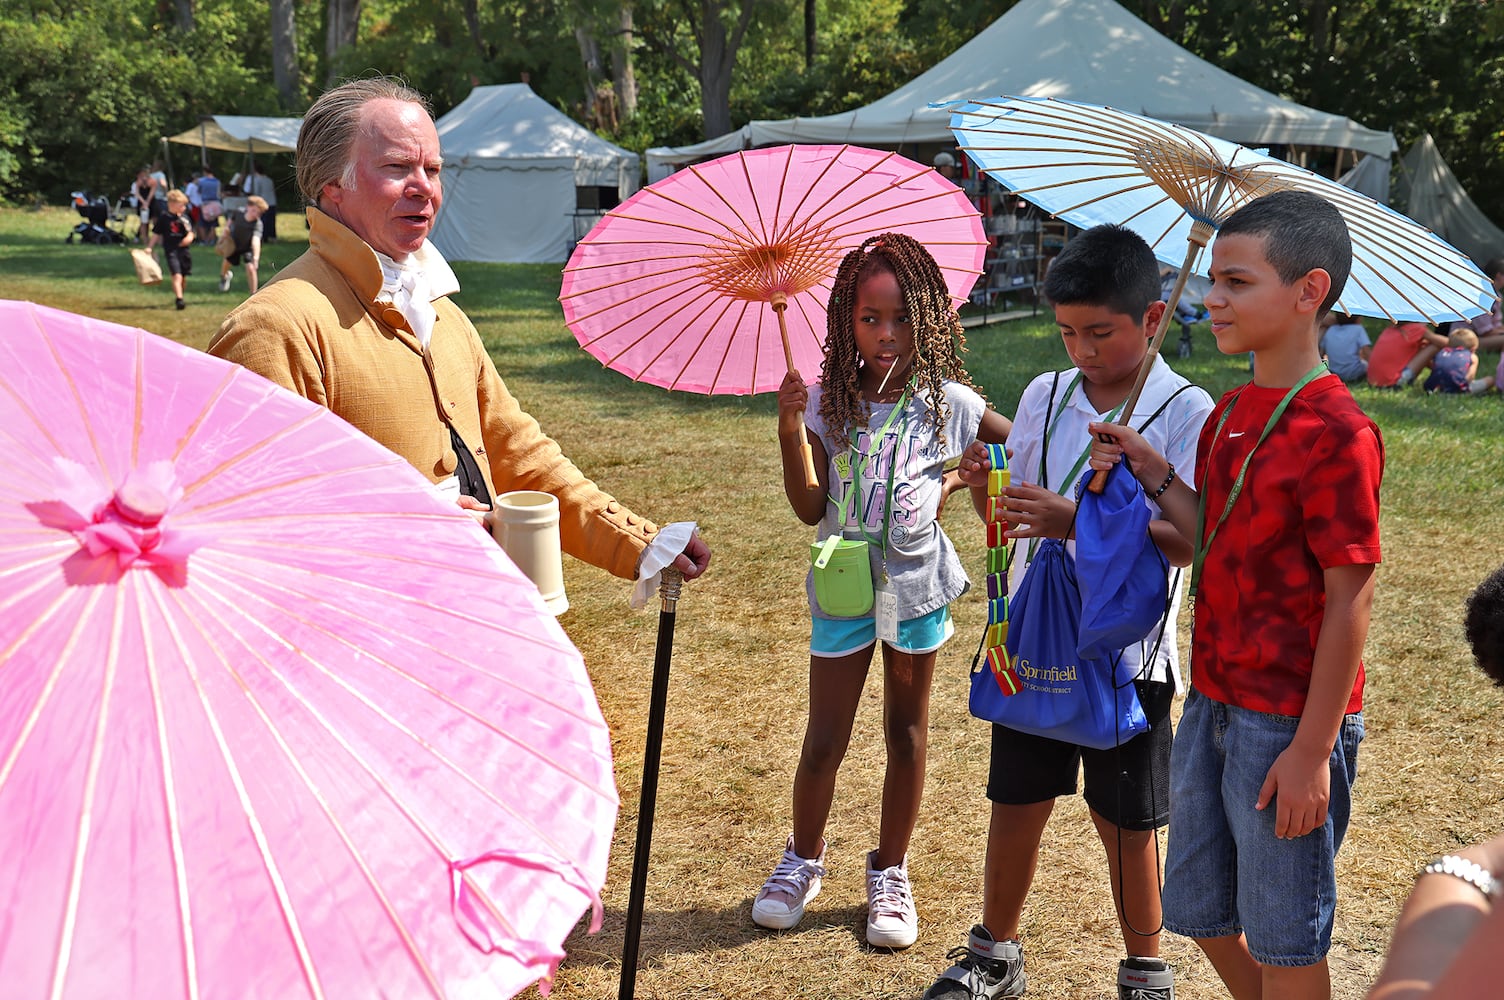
612	507
392	316
448	462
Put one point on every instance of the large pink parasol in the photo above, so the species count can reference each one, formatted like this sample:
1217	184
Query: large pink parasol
276	720
678	286
716	278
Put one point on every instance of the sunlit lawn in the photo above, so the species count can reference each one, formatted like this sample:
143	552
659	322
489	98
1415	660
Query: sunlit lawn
1432	768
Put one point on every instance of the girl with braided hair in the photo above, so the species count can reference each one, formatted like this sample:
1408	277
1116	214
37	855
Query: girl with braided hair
893	405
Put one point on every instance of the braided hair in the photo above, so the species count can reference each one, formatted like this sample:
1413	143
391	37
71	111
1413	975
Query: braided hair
938	337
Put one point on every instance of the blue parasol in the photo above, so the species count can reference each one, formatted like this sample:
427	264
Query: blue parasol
1174	186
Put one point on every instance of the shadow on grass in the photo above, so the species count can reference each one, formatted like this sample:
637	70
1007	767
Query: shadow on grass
722	929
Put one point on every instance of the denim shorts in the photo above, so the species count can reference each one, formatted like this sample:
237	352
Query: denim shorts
832	637
1225	871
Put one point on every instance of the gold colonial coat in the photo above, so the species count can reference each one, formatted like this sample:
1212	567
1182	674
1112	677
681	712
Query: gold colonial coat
317	330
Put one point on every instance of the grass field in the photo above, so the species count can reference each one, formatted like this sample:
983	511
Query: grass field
1431	770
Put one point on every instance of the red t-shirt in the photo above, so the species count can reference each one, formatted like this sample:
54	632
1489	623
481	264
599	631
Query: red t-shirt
1393	351
1310	501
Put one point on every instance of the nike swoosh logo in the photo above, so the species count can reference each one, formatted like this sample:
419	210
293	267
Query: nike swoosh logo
1236	434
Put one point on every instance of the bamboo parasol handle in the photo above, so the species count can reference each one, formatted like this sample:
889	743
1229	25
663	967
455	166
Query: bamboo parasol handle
1197	240
779	301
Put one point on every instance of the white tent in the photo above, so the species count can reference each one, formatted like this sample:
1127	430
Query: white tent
1083	50
1370	176
512	167
1430	194
243	134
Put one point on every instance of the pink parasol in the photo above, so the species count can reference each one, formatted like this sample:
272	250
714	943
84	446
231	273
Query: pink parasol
275	719
716	278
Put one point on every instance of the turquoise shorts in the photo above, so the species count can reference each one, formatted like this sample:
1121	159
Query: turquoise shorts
831	637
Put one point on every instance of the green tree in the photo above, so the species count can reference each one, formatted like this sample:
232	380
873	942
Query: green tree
91	89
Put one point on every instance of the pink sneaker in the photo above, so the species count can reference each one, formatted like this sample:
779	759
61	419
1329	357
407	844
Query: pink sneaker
794	883
891	919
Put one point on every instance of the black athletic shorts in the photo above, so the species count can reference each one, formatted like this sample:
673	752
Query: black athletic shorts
1128	785
179	260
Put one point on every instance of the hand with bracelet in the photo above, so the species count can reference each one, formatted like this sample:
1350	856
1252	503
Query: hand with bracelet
1176	498
1449	939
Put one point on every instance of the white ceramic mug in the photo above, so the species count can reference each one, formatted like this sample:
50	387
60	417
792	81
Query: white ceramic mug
527	526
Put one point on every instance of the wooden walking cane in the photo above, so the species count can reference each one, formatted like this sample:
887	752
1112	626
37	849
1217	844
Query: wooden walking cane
780	301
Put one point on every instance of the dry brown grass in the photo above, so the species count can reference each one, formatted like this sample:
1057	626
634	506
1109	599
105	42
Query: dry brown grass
1431	769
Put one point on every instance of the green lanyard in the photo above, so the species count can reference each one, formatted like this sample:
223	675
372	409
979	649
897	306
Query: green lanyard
1070	477
1237	485
860	461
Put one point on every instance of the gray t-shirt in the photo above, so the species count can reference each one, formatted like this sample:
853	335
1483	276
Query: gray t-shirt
243	230
924	571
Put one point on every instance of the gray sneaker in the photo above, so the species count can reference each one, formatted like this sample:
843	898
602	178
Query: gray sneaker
985	970
1145	979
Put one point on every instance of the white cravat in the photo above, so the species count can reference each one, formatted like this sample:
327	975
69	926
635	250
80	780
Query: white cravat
413	284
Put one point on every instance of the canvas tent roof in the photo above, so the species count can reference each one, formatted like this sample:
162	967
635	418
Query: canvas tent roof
1431	195
512	163
1370	176
243	134
1083	50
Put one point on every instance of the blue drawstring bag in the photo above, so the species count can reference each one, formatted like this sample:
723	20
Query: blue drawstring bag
1088	701
1120	571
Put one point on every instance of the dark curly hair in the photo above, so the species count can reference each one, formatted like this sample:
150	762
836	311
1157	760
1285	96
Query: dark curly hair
938	338
1484	625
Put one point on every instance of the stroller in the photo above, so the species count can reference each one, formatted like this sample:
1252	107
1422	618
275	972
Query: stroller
97	215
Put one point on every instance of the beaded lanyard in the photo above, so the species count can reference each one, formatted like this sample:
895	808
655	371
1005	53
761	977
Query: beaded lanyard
999	559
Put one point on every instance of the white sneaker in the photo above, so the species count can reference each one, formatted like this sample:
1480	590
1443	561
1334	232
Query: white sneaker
794	883
224	281
891	920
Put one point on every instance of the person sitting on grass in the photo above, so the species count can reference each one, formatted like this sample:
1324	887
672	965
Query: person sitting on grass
174	230
1402	352
1284	515
1457	363
1105	290
1346	346
245	229
1449	939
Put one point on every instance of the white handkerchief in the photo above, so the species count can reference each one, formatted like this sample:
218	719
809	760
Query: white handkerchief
661	551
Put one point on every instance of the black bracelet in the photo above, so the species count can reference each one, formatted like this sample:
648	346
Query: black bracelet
1169	478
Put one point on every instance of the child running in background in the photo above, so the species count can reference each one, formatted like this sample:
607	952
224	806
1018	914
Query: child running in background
893	404
245	230
1105	289
174	230
1287	489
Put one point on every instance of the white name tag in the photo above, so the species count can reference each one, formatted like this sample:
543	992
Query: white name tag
885	615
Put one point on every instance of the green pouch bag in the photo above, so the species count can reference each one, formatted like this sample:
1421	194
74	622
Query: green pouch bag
843	576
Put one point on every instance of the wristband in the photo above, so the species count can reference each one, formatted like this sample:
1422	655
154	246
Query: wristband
1473	874
1169	478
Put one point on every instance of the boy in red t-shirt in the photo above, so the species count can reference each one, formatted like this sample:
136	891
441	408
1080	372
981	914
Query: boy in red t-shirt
1285	517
